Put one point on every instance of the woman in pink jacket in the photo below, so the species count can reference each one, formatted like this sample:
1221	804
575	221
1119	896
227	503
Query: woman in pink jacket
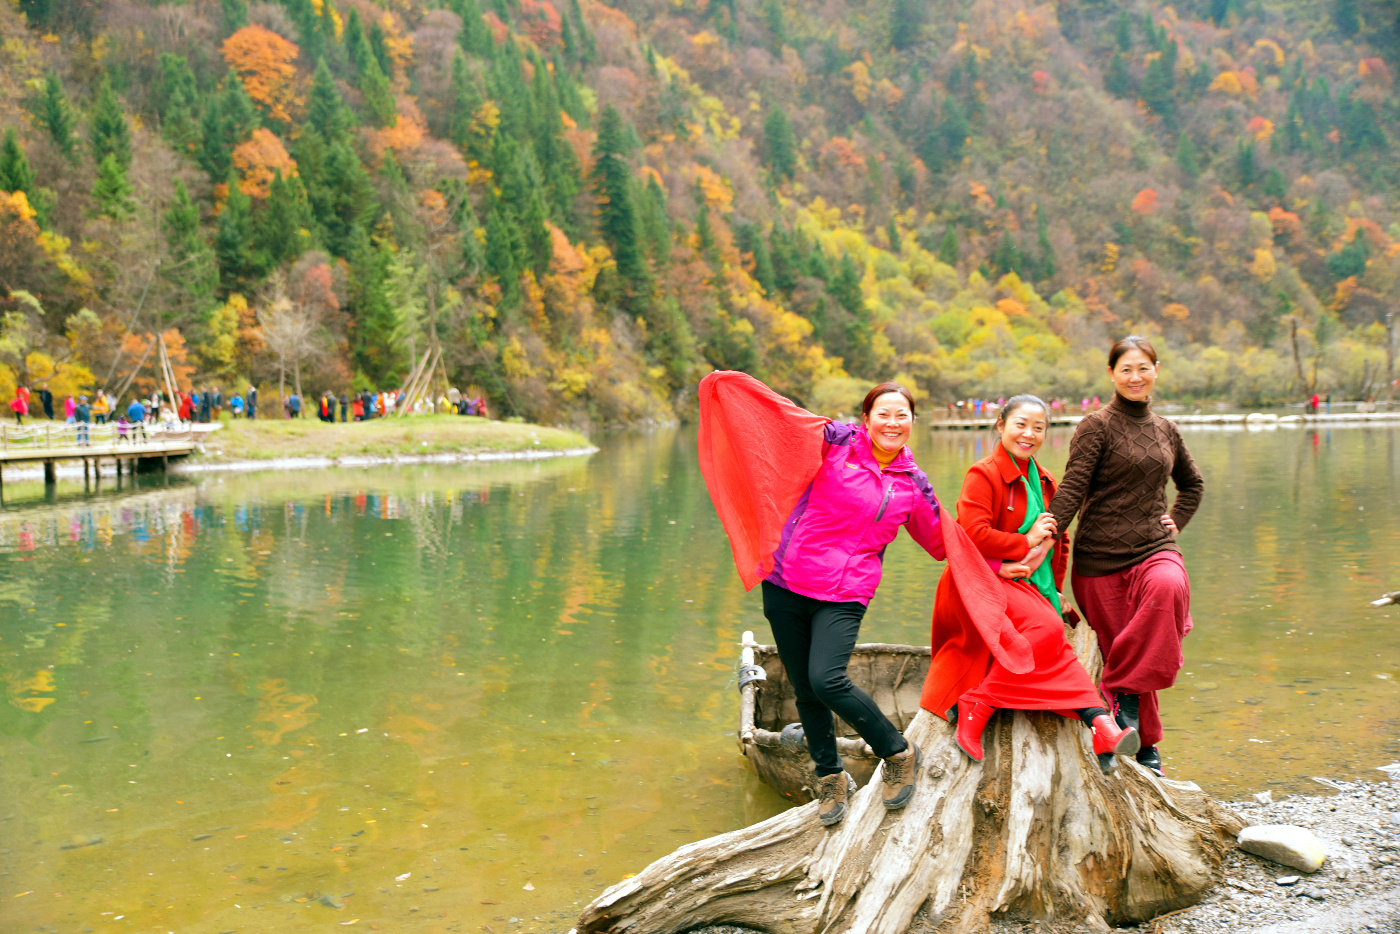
825	571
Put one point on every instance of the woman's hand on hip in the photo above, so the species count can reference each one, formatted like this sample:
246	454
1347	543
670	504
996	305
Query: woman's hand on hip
1170	525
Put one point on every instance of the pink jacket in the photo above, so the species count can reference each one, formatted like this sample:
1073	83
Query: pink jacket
833	544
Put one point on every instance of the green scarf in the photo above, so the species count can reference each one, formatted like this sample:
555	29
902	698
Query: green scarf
1044	576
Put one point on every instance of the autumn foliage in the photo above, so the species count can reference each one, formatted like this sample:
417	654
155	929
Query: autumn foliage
266	63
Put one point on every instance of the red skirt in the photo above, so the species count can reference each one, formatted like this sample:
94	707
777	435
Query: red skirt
963	666
1140	615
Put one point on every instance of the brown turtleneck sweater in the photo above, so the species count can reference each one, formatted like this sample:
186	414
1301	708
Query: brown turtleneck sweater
1119	462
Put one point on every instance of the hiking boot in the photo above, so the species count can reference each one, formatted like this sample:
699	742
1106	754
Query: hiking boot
1150	758
901	769
1125	711
833	791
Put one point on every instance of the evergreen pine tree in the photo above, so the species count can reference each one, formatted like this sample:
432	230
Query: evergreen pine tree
906	23
816	265
500	256
656	224
539	244
379	94
233	238
355	42
1007	256
192	266
777	28
1048	268
1220	11
705	236
1275	186
617	221
111	192
781	143
1156	89
1245	163
1344	14
177	101
463	101
380	48
308	24
587	44
108	132
227	121
948	247
475	36
285	214
56	116
326	112
1123	31
1186	159
1116	80
852	340
235	15
15	173
892	234
372	320
786	265
346	197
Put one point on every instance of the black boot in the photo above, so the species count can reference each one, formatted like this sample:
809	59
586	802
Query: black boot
1125	710
1149	758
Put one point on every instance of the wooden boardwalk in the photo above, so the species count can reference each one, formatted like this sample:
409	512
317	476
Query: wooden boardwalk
51	442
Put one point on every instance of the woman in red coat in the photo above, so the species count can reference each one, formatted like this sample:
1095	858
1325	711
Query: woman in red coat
1002	508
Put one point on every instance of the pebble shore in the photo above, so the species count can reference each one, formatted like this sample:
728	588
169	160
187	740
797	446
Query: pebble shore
1357	891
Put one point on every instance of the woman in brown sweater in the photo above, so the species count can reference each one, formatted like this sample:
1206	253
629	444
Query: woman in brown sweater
1128	576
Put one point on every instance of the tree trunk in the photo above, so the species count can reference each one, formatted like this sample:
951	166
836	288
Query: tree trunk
282	382
1034	832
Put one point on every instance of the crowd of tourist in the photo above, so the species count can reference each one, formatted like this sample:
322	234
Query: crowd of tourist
208	403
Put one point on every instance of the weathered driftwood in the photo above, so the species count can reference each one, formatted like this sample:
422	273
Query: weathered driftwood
893	675
1035	831
1387	599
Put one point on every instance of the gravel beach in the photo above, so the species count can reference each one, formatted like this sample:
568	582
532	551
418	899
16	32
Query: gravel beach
1357	890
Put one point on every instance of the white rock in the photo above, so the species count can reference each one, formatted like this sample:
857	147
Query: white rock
1282	843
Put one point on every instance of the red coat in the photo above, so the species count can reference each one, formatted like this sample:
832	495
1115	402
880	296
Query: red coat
991	509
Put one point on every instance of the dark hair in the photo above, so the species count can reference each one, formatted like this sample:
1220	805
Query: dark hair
880	390
1020	402
1125	344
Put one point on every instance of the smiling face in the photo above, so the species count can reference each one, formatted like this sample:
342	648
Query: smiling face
889	421
1023	431
1134	375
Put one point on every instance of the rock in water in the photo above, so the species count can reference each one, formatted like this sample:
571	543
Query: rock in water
1285	844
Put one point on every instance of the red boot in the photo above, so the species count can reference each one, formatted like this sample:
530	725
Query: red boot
972	720
1110	741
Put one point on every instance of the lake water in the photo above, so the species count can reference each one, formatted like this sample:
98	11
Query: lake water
467	698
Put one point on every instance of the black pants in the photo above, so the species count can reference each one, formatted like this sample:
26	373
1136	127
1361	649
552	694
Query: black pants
815	639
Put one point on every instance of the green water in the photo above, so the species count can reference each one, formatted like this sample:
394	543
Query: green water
240	702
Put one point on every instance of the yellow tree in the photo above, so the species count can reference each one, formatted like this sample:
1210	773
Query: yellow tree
265	62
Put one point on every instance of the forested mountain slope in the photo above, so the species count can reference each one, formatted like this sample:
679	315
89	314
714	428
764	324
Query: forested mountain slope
587	207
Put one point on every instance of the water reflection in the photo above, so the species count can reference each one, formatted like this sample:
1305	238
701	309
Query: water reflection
442	696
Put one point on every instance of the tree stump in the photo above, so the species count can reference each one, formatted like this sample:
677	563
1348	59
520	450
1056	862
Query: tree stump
1035	831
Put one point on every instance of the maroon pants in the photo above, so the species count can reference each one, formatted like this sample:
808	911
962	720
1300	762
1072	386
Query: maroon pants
1140	615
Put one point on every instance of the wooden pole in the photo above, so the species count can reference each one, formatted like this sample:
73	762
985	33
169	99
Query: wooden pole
49	478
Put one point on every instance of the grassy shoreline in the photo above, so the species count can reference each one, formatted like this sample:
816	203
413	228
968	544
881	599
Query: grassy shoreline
283	439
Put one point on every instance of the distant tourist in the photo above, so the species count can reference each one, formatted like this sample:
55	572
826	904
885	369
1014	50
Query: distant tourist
294	405
216	403
82	416
1002	507
1313	402
46	400
186	409
344	407
70	405
20	404
136	415
357	407
1129	579
206	405
101	406
235	405
252	400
